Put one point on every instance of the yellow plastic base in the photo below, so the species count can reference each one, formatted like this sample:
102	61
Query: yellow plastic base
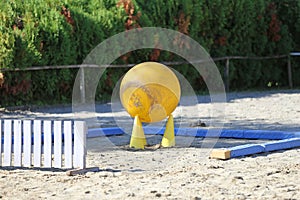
168	139
138	139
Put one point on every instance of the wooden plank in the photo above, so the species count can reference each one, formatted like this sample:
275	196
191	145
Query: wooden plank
68	144
17	143
37	140
290	75
7	142
57	144
226	75
74	172
0	142
47	129
80	131
27	143
222	154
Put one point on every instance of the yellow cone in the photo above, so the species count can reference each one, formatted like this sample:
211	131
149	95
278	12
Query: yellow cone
168	139
138	140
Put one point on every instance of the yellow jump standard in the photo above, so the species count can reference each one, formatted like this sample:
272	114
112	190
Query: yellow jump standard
150	92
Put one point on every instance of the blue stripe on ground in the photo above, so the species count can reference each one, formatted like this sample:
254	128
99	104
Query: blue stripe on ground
282	144
226	133
154	130
246	149
98	132
249	149
269	135
256	134
297	135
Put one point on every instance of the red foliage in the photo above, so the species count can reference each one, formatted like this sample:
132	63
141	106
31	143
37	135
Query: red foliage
64	87
259	17
183	23
131	22
154	55
18	24
109	81
22	86
222	41
67	13
274	25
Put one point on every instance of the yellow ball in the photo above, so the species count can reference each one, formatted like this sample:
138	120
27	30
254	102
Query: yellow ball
150	91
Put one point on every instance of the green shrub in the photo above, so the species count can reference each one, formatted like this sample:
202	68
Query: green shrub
54	32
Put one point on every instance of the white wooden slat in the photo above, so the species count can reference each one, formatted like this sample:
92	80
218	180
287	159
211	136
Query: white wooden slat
68	146
37	141
74	152
57	145
79	144
0	142
17	143
47	129
7	142
27	135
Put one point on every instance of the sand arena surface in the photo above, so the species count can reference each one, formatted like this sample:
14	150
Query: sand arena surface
182	172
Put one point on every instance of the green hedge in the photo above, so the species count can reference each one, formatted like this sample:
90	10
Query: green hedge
54	32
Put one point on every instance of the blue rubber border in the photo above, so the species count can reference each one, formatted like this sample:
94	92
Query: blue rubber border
285	140
248	149
198	132
98	132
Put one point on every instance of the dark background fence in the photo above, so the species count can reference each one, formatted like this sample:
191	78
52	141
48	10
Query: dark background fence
225	75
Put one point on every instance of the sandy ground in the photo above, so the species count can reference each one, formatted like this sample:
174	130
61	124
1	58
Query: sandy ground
182	172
